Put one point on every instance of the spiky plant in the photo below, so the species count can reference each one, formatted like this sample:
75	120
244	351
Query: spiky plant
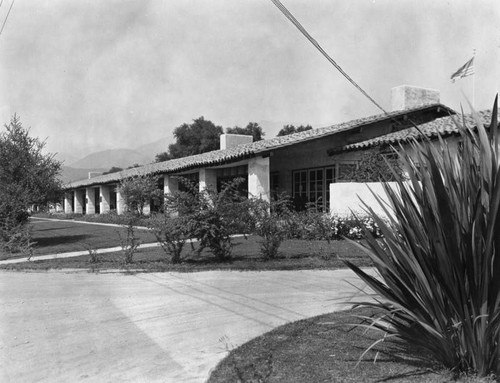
439	259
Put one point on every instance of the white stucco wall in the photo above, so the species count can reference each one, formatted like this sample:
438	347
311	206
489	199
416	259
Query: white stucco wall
346	197
258	178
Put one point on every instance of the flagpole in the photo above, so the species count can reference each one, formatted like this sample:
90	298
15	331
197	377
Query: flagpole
474	81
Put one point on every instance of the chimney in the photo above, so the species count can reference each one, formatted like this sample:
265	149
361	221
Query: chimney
231	140
94	174
407	97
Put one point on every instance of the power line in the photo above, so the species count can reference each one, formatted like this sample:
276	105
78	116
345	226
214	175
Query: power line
6	17
297	24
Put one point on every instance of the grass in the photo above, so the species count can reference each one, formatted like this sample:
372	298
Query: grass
52	237
328	349
294	254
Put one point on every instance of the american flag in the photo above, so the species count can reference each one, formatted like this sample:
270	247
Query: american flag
465	70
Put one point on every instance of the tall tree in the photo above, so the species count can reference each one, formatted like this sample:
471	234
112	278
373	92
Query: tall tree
27	176
290	129
199	137
252	129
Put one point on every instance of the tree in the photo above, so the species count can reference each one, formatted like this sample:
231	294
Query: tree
290	129
199	137
252	129
139	190
114	169
163	156
27	177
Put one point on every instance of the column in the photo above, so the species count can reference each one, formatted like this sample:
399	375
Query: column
120	202
78	202
208	179
259	185
68	202
170	184
105	199
90	195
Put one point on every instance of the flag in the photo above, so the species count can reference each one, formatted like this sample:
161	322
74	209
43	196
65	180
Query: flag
465	70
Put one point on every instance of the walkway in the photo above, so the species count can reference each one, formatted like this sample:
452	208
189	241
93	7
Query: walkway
159	327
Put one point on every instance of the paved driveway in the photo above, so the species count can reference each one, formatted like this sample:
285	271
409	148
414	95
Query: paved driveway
162	327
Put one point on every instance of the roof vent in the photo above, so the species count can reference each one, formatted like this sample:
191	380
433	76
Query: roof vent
407	97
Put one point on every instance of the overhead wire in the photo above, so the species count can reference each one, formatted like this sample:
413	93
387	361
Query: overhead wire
6	17
299	26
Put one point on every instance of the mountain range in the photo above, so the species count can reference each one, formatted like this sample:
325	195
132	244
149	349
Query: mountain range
104	160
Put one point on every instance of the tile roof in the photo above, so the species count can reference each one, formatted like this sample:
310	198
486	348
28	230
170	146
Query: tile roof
444	126
240	152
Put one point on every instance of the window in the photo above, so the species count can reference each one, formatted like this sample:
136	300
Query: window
226	175
313	185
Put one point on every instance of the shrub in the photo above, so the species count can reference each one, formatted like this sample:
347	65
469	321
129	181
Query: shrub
140	190
18	239
312	224
129	242
271	222
172	233
211	216
438	260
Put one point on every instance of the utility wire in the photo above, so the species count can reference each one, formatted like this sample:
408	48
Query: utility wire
297	24
6	17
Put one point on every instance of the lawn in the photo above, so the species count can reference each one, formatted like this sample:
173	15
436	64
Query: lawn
328	349
59	237
56	237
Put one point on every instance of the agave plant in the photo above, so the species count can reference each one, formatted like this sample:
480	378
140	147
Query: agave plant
438	263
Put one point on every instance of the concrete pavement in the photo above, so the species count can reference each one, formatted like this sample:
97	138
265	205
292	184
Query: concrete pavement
158	327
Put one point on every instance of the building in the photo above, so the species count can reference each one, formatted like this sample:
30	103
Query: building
302	165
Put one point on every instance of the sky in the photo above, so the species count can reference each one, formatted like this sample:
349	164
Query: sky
90	75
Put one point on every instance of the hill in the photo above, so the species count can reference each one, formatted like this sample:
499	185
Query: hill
122	158
69	174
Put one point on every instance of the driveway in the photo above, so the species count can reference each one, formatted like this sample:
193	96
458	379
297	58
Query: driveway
159	327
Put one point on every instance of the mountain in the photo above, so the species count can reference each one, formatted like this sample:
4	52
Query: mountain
122	158
69	174
156	147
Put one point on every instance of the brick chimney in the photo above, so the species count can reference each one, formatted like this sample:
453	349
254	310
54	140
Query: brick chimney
407	96
231	140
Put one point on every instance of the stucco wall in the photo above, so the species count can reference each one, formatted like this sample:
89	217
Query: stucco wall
348	197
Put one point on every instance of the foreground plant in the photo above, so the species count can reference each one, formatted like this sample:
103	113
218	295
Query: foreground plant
439	258
271	222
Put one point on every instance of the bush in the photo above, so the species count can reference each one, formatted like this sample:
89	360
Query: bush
139	190
129	242
17	239
312	224
211	216
172	233
438	260
271	221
